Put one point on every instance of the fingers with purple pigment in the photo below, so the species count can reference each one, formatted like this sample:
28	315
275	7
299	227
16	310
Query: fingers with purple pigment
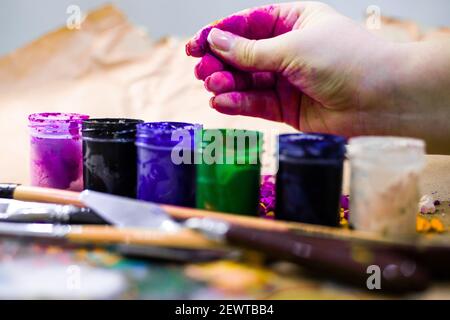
207	66
256	23
198	46
262	80
260	104
228	81
290	99
221	82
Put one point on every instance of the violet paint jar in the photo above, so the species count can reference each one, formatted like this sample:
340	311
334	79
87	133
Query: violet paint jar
109	156
56	156
309	178
165	162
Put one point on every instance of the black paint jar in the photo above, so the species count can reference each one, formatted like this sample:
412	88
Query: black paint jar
309	178
109	156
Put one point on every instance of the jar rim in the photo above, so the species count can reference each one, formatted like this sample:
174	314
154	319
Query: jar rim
56	117
162	127
311	146
225	132
386	142
165	134
386	149
56	124
110	128
303	137
110	123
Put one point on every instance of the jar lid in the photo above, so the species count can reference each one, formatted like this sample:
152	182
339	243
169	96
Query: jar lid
56	123
230	138
311	146
110	129
385	143
387	149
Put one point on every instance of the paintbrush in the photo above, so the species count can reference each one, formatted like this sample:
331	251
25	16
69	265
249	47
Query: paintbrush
340	259
37	194
47	195
27	193
246	223
185	239
37	212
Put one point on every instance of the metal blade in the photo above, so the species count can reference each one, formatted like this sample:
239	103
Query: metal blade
34	230
126	212
4	205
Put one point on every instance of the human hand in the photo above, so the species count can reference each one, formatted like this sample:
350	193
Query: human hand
305	65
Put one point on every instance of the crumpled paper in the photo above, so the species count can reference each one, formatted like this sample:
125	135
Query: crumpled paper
110	68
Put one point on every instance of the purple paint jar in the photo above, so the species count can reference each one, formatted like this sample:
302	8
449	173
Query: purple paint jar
165	162
56	151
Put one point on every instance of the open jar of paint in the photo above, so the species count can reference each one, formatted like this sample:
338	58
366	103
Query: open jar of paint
228	170
56	152
165	162
384	186
309	178
109	156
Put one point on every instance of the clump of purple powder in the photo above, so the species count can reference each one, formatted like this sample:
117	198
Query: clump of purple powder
345	206
267	198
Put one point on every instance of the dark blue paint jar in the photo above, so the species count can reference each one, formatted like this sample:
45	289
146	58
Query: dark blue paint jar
165	162
309	178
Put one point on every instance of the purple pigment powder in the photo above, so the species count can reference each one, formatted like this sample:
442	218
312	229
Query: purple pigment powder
267	199
259	23
56	150
267	196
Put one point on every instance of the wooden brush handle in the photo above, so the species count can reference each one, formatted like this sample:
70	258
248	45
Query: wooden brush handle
36	194
182	213
342	260
105	234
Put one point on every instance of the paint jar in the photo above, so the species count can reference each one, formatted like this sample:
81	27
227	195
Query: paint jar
309	178
384	189
228	170
56	156
109	156
165	162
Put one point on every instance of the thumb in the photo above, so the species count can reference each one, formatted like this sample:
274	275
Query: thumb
245	54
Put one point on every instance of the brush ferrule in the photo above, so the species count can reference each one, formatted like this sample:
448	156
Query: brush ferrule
213	229
7	190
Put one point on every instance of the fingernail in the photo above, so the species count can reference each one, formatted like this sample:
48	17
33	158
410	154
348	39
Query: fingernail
187	48
206	83
220	40
211	103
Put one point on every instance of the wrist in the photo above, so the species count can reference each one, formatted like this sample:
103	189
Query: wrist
412	86
380	87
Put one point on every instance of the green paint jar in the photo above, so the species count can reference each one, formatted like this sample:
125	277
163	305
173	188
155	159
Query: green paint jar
228	170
